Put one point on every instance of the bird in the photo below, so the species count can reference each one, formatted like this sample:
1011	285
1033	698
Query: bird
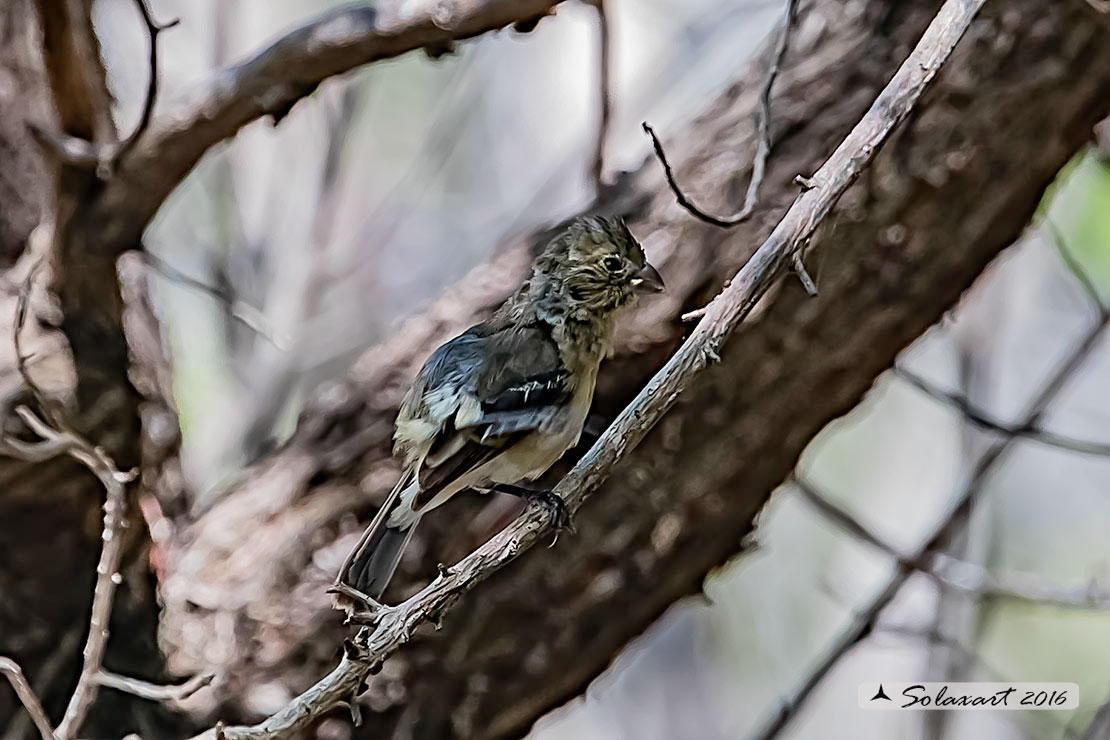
499	404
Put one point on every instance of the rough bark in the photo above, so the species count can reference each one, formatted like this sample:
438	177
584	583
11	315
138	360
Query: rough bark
954	187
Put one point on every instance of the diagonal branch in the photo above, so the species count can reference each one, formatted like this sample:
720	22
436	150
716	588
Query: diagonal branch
394	626
10	669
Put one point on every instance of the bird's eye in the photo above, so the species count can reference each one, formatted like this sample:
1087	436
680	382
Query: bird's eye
613	264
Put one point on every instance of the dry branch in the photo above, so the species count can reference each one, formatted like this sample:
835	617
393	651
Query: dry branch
27	697
152	691
394	626
762	152
154	30
55	442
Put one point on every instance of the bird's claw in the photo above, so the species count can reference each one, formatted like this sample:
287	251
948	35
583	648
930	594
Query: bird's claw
556	510
360	608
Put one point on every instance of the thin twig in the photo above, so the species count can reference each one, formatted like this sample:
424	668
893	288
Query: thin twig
27	697
604	90
332	690
1076	269
153	691
981	419
65	441
241	311
960	575
153	31
763	144
394	626
23	301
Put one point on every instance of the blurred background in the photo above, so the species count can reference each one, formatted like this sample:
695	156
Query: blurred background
356	212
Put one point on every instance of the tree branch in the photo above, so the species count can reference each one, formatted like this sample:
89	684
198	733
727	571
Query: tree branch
154	30
604	93
152	691
57	442
27	697
762	152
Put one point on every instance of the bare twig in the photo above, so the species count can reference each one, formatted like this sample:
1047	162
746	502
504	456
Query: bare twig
959	575
942	533
68	150
27	697
241	311
395	625
1076	269
22	303
604	91
154	30
981	419
152	691
332	690
62	441
763	146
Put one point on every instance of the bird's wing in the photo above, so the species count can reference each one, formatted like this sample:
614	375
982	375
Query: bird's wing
481	392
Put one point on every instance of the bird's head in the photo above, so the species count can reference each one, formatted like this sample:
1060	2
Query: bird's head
595	266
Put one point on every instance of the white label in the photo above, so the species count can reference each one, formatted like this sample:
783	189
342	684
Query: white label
964	696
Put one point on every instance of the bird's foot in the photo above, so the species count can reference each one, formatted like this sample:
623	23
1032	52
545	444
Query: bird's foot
551	502
360	608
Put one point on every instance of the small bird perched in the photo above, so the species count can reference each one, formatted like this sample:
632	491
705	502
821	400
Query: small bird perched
501	402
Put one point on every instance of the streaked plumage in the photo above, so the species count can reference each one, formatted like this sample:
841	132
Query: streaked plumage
504	400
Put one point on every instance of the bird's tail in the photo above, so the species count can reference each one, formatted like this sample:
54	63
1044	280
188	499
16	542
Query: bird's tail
370	565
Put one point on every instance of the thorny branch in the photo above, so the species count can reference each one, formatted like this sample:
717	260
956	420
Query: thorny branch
393	626
987	464
763	144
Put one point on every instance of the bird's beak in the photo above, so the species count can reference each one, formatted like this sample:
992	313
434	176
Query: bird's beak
648	280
